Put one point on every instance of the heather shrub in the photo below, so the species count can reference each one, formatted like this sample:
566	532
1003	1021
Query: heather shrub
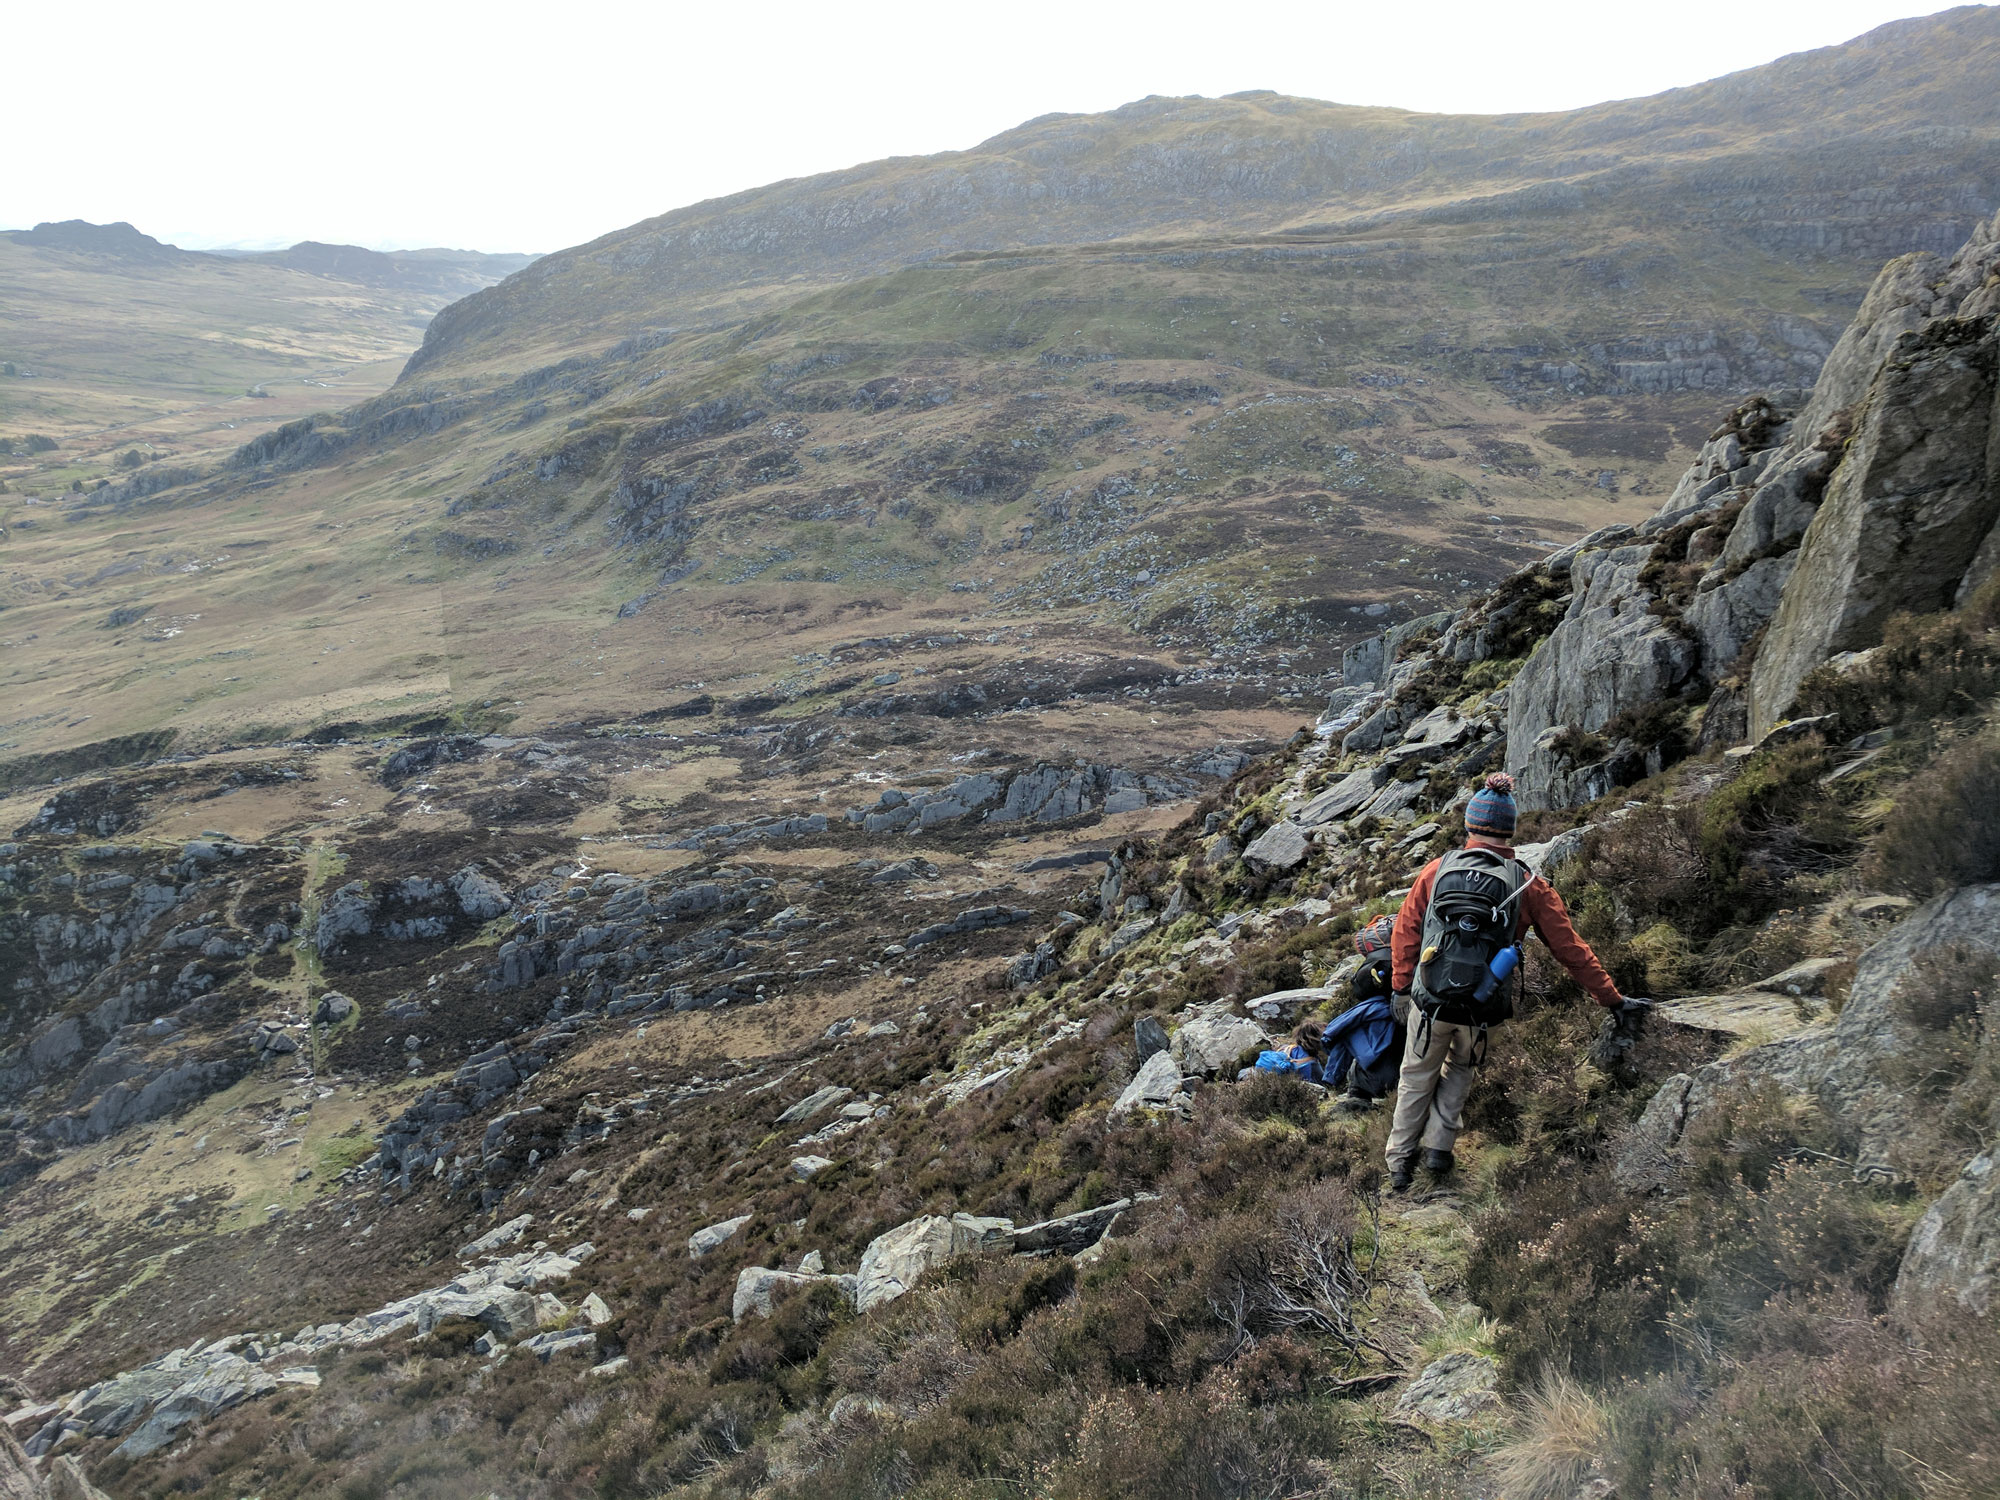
1950	1060
1945	830
1927	666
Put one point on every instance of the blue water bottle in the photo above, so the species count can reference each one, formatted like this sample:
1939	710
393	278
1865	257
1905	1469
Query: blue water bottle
1503	964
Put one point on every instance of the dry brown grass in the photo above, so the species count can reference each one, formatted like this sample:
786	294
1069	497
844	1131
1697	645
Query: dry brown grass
1564	1434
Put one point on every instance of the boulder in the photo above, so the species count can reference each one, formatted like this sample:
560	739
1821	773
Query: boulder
894	1262
1955	1252
333	1008
1283	1006
1212	1040
1148	1037
1904	514
817	1102
757	1285
1071	1233
715	1236
560	1341
480	897
597	1310
1457	1388
1342	798
1279	847
806	1168
1157	1081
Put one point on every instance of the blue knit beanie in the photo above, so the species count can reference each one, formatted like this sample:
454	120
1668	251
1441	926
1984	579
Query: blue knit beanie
1490	813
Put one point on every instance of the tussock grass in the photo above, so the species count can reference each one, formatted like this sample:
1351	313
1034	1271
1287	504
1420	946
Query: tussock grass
1564	1435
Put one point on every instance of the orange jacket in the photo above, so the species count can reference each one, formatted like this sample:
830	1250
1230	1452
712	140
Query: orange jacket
1539	907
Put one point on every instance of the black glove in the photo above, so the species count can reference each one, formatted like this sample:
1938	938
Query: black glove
1632	1005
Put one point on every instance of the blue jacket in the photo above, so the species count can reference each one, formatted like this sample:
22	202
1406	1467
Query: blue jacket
1364	1034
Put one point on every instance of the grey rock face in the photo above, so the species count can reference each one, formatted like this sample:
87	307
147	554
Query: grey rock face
1871	1033
977	919
1955	1252
1903	517
1608	654
1279	847
214	1390
1211	1042
1071	1233
348	913
1727	617
1281	1006
1148	1037
817	1102
479	895
1368	664
1343	798
1783	505
1848	1068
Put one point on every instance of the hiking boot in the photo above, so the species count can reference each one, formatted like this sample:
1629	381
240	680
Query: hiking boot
1438	1163
1400	1177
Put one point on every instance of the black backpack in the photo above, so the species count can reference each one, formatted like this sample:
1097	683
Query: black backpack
1470	919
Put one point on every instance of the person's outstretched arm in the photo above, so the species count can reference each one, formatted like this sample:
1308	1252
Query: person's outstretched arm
1550	918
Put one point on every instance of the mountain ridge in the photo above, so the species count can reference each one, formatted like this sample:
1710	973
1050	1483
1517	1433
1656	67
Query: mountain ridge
1026	164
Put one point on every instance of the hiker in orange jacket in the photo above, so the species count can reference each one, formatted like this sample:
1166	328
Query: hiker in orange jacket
1440	1055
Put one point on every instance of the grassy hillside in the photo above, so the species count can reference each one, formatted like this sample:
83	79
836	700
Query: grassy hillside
1804	155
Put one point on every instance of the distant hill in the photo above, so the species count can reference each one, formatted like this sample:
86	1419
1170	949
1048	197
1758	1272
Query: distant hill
1847	154
119	240
453	272
114	337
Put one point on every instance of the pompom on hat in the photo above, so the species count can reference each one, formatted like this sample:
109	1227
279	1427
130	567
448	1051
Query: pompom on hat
1491	813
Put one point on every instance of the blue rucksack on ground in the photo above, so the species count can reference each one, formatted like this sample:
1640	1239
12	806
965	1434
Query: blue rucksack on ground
1293	1060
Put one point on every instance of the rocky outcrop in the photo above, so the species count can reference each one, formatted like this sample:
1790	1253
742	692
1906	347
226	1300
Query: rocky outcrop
21	1480
715	1236
1955	1252
1872	1031
1457	1388
1798	535
1903	516
1212	1040
1610	654
1851	1068
1152	1087
155	1403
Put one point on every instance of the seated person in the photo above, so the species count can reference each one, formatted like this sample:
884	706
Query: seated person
1359	1049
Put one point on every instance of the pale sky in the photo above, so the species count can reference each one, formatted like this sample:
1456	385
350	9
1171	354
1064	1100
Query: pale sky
508	126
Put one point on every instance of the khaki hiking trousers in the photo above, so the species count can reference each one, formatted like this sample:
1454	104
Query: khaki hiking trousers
1431	1089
